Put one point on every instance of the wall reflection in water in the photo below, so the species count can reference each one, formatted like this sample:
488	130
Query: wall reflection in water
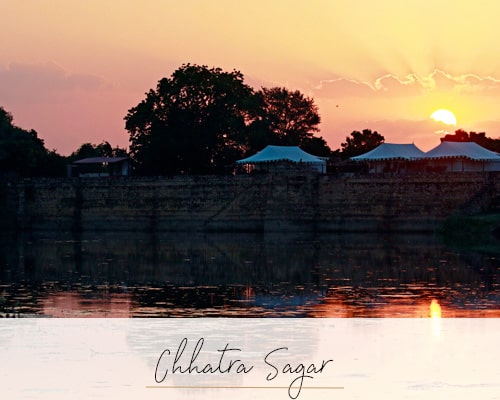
129	274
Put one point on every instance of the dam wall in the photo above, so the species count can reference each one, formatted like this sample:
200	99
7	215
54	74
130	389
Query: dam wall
247	203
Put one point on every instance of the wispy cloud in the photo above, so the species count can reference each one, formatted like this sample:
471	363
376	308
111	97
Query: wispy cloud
340	87
390	85
38	82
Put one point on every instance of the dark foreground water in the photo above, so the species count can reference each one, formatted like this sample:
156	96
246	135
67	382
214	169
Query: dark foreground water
181	275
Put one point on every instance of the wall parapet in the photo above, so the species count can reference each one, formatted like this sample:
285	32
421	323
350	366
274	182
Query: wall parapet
266	202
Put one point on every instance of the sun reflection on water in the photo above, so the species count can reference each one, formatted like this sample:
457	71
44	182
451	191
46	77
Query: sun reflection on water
435	309
435	315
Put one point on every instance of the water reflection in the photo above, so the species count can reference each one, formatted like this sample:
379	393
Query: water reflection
435	309
163	275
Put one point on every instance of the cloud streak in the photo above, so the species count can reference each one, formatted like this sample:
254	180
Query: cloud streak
390	85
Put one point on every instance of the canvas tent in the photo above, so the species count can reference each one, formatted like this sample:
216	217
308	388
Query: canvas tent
283	155
391	151
390	157
462	156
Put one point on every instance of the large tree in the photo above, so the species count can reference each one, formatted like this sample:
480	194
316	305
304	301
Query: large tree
290	115
194	122
360	143
292	119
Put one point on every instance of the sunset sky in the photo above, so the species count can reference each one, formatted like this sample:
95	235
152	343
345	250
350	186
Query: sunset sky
71	69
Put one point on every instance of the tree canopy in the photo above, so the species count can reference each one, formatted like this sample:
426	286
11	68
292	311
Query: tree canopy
292	119
360	143
194	122
291	116
23	153
201	120
104	149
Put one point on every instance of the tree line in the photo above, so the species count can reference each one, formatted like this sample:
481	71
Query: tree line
199	120
23	153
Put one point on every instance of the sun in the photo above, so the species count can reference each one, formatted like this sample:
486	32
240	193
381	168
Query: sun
444	116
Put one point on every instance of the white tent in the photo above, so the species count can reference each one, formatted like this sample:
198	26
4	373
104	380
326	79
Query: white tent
293	154
391	157
391	151
468	150
462	156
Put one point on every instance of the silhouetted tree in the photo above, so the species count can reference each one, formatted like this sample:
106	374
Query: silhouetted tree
482	140
201	120
196	121
86	150
104	149
316	146
360	143
53	165
291	119
23	153
289	115
459	136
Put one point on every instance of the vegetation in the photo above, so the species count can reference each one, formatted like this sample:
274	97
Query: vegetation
22	152
88	150
360	142
201	120
194	122
290	119
476	232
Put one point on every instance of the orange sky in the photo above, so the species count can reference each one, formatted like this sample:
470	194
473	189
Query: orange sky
71	69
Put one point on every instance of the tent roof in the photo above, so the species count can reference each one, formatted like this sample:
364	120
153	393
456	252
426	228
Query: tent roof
391	151
100	160
462	149
281	153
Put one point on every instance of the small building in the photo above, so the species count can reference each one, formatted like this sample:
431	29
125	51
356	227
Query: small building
461	157
391	158
99	167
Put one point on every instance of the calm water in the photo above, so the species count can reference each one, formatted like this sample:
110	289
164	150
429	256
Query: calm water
180	275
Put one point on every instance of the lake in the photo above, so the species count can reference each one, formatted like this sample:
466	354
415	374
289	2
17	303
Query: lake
130	274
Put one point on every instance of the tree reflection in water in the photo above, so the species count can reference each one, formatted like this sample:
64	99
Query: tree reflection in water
125	274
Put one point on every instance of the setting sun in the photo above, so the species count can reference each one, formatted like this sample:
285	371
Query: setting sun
444	116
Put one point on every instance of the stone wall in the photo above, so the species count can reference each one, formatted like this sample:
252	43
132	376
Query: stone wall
266	202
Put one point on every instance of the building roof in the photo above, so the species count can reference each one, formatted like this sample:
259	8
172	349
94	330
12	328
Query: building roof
100	160
469	150
391	151
282	153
